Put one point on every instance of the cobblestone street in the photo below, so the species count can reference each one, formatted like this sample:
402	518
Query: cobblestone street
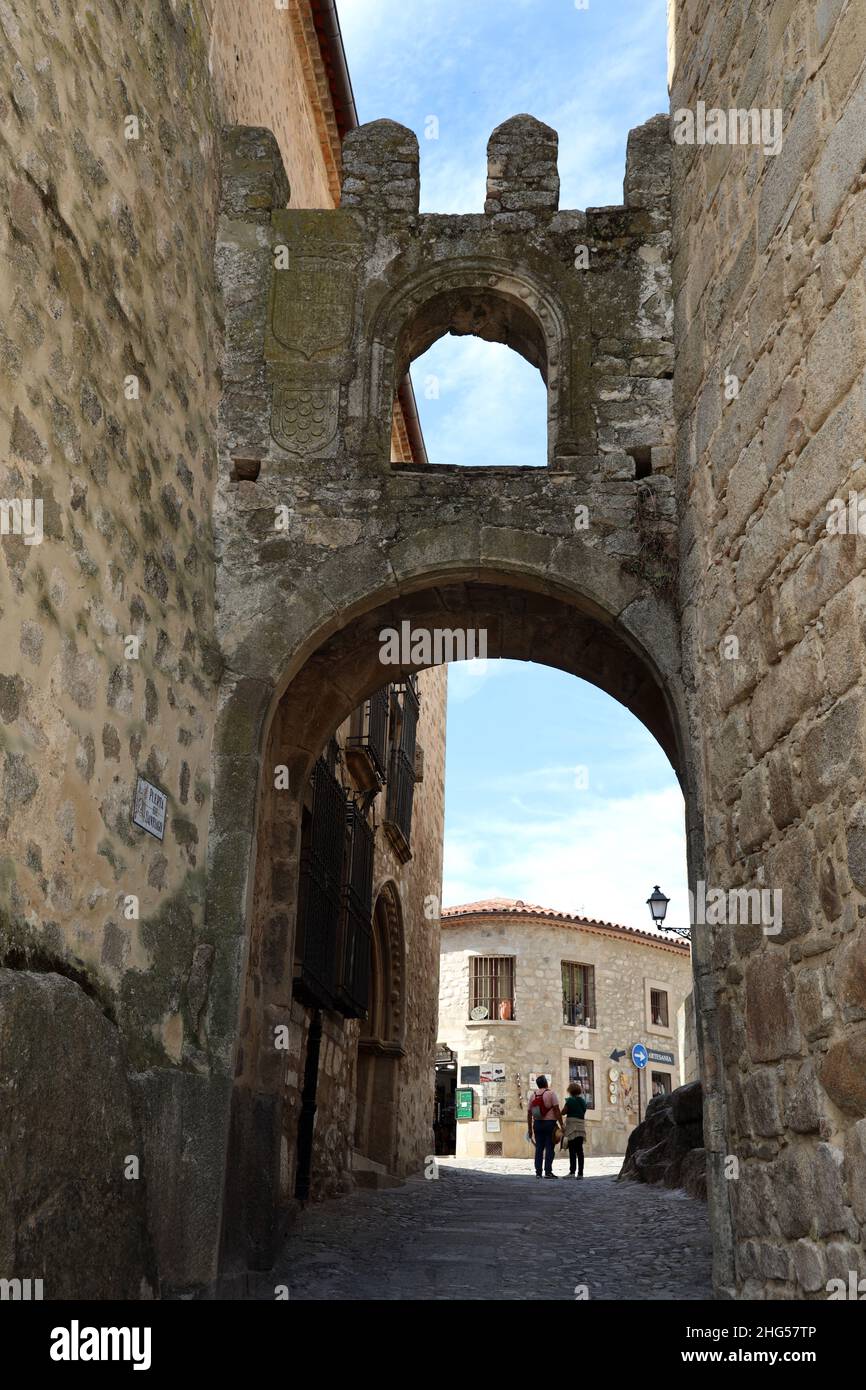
478	1232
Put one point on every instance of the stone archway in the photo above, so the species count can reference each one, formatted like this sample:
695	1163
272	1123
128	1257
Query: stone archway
528	614
322	543
380	1045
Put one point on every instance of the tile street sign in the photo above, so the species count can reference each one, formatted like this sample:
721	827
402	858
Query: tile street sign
149	807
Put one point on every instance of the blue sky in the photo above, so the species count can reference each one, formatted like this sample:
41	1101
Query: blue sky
520	821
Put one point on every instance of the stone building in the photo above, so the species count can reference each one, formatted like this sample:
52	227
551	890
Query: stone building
525	990
162	400
110	353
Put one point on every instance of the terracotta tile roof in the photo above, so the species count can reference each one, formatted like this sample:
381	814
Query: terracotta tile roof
516	907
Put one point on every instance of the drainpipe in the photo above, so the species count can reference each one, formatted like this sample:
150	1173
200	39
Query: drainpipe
307	1117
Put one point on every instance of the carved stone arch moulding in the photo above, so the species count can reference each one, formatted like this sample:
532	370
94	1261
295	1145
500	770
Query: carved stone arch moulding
537	318
387	896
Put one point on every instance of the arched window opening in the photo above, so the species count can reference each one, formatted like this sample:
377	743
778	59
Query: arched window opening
480	404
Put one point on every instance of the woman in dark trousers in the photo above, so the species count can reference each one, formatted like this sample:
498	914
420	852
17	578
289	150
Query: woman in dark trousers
574	1111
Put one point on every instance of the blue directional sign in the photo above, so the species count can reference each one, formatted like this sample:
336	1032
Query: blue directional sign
639	1055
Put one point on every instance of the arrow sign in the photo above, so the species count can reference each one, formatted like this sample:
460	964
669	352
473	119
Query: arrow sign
639	1056
617	1053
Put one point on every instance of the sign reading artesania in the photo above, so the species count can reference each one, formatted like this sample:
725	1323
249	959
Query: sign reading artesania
149	807
665	1057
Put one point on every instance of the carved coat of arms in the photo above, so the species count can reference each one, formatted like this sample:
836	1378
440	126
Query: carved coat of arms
304	418
313	306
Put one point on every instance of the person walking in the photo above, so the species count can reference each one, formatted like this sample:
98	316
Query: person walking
575	1127
542	1116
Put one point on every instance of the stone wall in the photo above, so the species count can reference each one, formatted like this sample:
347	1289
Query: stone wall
110	355
769	289
536	1038
109	174
418	884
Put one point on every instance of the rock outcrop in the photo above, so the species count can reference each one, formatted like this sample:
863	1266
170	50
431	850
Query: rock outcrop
667	1147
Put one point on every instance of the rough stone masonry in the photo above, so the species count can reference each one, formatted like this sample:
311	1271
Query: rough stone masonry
165	391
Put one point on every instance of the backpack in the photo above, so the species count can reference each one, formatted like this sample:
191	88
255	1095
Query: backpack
538	1104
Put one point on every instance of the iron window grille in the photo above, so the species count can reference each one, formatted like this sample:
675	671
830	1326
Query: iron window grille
492	986
578	995
659	1008
319	889
401	767
357	916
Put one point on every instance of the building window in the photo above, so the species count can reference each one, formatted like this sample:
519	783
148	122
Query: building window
582	1070
661	1083
659	1008
578	994
401	766
491	987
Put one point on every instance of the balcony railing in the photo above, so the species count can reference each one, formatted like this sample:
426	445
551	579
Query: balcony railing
367	743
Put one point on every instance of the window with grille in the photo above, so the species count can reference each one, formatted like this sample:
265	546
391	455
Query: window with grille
582	1070
659	1007
401	766
354	948
578	995
492	986
320	888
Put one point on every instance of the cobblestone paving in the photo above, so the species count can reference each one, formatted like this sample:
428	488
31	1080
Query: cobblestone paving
489	1230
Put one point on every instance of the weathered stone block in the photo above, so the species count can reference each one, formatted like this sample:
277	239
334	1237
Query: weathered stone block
835	355
841	163
803	1107
761	1096
809	1266
785	694
849	975
843	1074
771	1022
814	1005
787	172
793	1192
833	749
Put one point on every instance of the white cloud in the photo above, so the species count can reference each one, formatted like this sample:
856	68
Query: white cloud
466	678
600	860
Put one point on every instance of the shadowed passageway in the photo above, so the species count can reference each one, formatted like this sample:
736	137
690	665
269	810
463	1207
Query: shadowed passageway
479	1230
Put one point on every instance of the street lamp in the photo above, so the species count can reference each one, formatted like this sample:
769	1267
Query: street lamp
658	905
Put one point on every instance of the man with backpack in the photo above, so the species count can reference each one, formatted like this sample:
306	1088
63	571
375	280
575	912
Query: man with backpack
542	1118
